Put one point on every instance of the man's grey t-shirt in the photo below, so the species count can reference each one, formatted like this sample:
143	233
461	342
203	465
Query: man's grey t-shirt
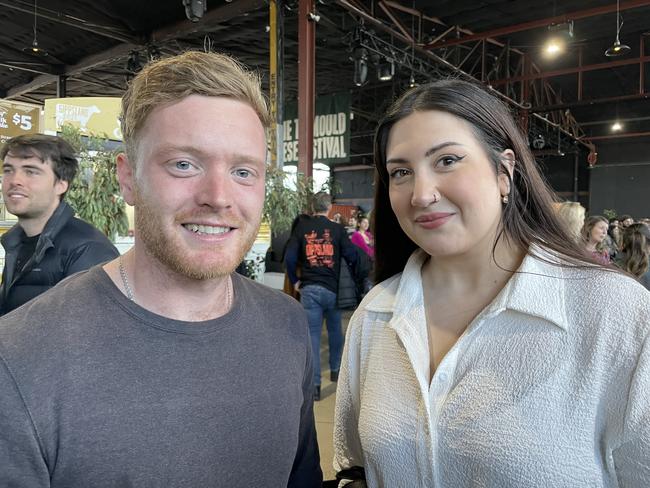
96	391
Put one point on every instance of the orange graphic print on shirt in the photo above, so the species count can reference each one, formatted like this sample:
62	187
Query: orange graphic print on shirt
319	251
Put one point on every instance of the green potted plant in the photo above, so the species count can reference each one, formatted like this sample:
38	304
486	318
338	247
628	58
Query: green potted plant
95	192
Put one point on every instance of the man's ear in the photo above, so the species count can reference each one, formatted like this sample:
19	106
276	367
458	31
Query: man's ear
505	180
126	177
61	186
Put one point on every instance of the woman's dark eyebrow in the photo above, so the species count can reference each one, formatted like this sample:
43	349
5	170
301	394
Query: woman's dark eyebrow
440	146
429	152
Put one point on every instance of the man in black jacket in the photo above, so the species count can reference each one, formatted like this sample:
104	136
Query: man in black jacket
317	245
48	243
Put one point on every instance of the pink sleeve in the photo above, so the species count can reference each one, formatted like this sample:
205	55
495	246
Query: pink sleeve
358	240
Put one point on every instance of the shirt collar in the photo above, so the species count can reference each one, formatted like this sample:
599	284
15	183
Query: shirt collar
537	289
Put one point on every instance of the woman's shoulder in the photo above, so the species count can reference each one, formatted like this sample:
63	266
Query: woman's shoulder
381	297
609	300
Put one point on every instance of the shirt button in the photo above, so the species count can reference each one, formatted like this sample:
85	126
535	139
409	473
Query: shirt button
443	377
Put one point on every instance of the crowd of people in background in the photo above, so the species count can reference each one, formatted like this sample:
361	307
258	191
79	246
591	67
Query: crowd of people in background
619	241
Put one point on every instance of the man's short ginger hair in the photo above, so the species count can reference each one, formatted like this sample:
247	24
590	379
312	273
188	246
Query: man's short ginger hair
170	80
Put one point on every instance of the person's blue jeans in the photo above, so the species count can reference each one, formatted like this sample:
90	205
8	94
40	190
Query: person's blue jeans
320	302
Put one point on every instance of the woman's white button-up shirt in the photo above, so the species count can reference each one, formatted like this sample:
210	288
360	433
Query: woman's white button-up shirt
548	387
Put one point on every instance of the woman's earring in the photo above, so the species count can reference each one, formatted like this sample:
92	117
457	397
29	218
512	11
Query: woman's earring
504	199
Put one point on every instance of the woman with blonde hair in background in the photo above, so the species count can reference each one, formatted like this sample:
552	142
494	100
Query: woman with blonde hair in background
594	233
633	257
572	215
493	352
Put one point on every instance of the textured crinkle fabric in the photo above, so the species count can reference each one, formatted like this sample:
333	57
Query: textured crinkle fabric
548	386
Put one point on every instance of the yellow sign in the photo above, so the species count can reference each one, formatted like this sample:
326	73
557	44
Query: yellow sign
17	119
97	116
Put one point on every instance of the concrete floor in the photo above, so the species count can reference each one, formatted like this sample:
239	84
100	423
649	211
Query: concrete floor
324	409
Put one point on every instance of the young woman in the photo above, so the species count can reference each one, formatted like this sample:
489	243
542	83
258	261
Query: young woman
494	352
363	238
634	257
594	233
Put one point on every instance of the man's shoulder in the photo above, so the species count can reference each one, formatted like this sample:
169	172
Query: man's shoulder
72	290
12	237
256	292
77	234
265	304
54	317
82	230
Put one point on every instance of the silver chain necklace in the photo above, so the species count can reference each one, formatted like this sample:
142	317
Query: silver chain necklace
125	281
129	291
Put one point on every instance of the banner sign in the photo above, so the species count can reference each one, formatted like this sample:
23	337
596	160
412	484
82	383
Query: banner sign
17	119
331	130
97	116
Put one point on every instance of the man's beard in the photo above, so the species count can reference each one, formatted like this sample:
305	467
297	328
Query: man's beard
169	249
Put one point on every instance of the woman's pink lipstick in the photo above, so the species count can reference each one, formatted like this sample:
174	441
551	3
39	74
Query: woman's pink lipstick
433	220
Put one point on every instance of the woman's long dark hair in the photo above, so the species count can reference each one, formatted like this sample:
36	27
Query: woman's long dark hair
636	239
527	219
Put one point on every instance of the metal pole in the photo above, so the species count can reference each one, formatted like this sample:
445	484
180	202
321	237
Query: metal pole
275	81
61	91
306	86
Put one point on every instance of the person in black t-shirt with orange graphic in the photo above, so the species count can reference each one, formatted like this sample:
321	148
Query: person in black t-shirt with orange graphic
316	246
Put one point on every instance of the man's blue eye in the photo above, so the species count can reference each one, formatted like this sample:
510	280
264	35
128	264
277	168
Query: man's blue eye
183	165
243	173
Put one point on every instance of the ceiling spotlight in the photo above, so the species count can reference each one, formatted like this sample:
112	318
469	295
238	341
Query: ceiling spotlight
561	34
539	142
386	70
617	49
194	9
360	58
616	127
553	47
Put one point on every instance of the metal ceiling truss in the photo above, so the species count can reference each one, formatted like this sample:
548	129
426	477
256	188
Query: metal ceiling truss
402	57
61	18
559	19
118	53
483	59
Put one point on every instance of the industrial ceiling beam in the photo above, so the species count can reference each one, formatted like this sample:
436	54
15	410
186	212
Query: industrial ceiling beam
534	24
571	129
588	102
88	63
396	21
61	18
568	71
209	21
619	136
39	69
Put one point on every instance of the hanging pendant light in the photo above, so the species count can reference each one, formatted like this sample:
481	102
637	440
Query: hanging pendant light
617	49
34	48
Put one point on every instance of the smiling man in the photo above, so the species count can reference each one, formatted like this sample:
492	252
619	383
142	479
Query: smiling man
48	243
165	368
